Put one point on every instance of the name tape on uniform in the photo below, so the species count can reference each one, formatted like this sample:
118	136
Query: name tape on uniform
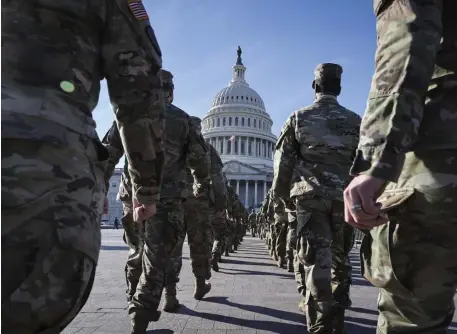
138	10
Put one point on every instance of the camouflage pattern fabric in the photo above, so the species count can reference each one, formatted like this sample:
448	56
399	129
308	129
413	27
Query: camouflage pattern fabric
219	223
199	229
291	239
280	227
321	139
47	118
412	259
51	211
163	234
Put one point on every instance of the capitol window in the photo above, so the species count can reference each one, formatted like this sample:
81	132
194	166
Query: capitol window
223	121
255	123
230	121
218	122
236	121
249	121
242	121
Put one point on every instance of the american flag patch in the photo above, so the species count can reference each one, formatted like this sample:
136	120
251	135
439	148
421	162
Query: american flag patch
138	10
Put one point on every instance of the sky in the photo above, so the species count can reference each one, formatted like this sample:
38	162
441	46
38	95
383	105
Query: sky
282	42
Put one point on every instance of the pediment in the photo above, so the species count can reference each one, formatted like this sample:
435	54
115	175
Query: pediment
236	167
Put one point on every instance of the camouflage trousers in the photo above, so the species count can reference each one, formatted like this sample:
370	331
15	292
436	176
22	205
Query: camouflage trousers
134	234
199	235
281	240
219	223
417	251
52	202
230	235
163	238
321	251
291	239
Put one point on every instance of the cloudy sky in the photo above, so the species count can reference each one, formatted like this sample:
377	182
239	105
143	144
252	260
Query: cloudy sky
282	42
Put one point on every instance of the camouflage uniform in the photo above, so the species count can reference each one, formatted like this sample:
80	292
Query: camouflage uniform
164	233
252	224
322	138
54	55
408	137
199	231
280	226
218	217
231	222
134	231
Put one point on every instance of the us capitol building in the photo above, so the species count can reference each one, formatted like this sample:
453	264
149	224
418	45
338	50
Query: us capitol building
239	127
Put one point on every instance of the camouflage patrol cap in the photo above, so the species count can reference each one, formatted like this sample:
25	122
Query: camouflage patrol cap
165	77
327	71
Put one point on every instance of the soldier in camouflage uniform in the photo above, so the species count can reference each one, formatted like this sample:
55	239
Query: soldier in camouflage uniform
54	55
252	223
164	233
199	230
408	150
231	226
134	231
218	217
280	225
322	138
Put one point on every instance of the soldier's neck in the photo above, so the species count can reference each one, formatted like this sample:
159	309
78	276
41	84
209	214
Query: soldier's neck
321	96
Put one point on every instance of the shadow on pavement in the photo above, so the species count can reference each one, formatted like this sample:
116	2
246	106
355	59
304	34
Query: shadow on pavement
249	263
252	272
363	310
262	325
160	331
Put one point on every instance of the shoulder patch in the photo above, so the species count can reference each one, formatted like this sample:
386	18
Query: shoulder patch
138	10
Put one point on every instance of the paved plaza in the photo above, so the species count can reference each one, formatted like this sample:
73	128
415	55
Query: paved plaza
249	295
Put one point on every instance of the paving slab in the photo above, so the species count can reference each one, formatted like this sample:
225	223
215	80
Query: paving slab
250	295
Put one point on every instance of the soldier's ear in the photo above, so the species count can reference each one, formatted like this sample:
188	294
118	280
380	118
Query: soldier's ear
313	84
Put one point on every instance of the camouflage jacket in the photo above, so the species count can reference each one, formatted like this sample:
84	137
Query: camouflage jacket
322	138
411	107
79	43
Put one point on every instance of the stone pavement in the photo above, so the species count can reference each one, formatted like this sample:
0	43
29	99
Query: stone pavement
249	295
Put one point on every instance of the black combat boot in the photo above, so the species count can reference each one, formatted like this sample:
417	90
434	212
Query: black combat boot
141	319
201	288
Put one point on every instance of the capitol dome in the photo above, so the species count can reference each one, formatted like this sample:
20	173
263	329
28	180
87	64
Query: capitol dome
239	127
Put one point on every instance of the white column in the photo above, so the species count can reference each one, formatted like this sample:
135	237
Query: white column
246	148
239	145
264	188
246	193
255	192
252	147
225	145
238	187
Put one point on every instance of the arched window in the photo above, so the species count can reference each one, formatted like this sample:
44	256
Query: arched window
230	121
223	121
255	123
218	122
236	121
242	121
249	122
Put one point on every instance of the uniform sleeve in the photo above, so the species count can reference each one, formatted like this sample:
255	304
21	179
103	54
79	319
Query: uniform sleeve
113	143
217	181
285	159
131	58
198	160
409	34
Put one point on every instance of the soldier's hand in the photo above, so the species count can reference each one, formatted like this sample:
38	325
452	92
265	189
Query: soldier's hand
143	211
360	207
